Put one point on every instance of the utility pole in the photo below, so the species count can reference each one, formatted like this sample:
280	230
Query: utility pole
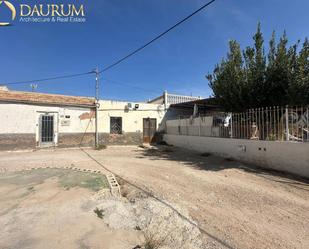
97	75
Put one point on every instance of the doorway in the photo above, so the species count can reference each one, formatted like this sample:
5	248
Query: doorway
149	130
47	132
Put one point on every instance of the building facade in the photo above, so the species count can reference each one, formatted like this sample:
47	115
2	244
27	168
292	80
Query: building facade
129	122
35	120
30	120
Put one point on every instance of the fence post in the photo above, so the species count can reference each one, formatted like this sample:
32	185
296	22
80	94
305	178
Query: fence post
187	130
199	128
287	123
179	127
307	125
231	125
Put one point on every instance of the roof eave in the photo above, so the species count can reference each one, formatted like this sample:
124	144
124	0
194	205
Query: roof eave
47	103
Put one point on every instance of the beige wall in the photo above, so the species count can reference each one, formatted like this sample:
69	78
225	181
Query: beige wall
289	157
132	120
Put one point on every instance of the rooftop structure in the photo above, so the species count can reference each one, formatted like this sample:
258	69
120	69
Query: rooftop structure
169	99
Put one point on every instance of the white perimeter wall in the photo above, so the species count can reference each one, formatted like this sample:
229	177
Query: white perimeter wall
290	157
199	126
132	120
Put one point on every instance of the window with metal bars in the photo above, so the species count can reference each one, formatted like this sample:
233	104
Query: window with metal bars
115	125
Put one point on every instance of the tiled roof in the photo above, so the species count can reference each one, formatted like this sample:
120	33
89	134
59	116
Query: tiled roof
43	98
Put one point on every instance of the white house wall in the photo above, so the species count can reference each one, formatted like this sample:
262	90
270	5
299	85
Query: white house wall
19	125
20	129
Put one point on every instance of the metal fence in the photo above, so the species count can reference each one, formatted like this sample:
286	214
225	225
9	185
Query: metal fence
270	123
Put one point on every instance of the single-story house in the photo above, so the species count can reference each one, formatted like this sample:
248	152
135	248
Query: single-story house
129	122
30	120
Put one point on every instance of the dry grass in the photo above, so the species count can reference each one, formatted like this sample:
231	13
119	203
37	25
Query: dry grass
152	241
101	147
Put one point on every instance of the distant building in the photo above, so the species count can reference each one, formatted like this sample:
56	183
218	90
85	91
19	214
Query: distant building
168	99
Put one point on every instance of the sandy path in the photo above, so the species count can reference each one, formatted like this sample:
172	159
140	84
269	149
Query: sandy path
238	206
235	206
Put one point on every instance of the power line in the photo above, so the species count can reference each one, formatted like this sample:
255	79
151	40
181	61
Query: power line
46	79
120	60
157	37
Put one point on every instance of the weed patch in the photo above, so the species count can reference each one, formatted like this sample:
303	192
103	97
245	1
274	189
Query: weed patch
101	147
92	181
151	242
99	213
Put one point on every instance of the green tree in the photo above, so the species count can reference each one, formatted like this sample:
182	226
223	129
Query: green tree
250	79
277	77
228	78
258	71
303	73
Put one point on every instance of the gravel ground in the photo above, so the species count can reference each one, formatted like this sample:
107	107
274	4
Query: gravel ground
230	204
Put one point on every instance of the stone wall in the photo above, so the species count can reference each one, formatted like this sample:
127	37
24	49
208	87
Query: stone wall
127	138
13	141
67	140
88	139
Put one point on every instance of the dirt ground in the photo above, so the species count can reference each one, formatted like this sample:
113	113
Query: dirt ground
222	203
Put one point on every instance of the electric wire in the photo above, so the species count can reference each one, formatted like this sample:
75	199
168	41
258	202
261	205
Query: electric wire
156	38
46	79
118	61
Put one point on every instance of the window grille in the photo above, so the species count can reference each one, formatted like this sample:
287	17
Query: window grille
116	125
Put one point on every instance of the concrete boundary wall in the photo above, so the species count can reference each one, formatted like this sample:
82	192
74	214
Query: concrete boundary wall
288	157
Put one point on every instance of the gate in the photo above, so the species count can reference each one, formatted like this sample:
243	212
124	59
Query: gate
47	134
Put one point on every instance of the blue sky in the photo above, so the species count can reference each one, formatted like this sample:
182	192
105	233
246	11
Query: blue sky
178	62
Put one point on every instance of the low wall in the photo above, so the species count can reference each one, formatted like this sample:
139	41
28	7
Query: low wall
11	142
289	157
127	138
17	141
68	140
88	139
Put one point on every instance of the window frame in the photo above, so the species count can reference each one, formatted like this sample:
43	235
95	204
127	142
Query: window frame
115	121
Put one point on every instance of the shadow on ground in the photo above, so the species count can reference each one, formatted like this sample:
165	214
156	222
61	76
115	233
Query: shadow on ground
205	161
